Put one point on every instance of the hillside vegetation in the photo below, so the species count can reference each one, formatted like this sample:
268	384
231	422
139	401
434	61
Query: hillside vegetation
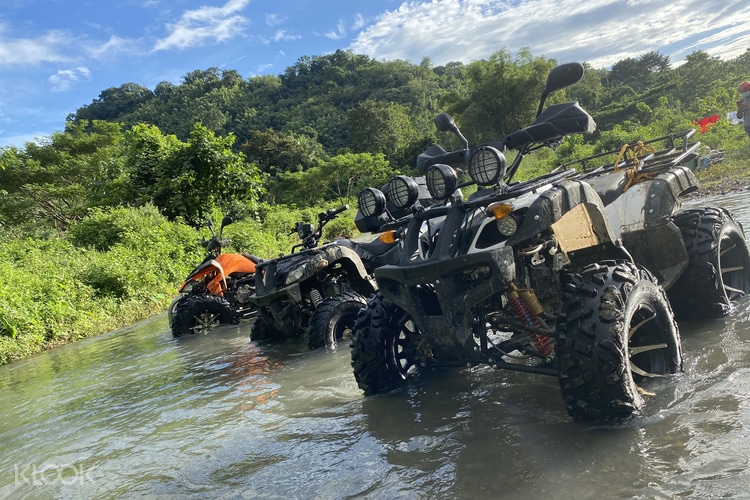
103	219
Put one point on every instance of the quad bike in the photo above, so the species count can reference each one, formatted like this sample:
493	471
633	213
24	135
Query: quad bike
561	275
318	290
217	291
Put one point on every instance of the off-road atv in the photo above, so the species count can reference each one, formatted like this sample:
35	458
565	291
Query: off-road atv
217	291
318	290
562	275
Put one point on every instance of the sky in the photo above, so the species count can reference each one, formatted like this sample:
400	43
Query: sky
58	55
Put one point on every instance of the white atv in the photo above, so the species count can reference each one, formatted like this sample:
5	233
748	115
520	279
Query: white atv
562	275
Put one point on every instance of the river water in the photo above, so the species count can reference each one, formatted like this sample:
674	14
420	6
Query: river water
134	414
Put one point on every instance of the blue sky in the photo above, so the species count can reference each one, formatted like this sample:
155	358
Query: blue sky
57	55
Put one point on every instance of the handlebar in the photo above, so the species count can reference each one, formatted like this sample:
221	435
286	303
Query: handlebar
333	212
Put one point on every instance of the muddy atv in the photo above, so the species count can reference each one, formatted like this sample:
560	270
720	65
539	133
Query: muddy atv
563	275
318	290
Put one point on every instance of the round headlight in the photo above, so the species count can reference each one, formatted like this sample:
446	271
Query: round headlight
487	165
507	226
402	191
371	202
442	181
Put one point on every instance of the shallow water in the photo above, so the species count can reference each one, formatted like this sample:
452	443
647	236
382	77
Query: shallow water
135	413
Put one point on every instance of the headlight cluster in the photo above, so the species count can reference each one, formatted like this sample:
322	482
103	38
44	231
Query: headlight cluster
487	165
442	181
507	226
401	192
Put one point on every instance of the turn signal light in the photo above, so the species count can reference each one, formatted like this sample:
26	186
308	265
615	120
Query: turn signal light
500	210
389	237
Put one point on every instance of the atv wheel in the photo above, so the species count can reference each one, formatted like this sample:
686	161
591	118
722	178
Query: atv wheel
386	346
616	330
718	271
201	313
333	320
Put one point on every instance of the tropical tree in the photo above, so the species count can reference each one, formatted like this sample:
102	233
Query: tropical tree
190	180
56	181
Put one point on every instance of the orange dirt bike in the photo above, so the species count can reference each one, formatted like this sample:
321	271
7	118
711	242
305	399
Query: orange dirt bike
216	292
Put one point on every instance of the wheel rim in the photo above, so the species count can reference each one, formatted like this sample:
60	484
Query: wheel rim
408	348
345	325
649	356
732	259
204	322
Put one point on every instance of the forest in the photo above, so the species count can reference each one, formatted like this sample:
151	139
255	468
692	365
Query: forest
103	219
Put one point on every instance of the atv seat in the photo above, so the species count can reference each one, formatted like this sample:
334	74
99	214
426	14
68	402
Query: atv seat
374	247
610	186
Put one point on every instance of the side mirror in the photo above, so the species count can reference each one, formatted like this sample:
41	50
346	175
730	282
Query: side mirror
445	123
226	221
560	77
563	76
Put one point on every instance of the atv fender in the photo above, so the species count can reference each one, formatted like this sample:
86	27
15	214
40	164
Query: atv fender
664	192
270	288
351	262
651	204
553	204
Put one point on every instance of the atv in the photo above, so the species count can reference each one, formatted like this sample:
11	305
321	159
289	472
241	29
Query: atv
564	275
217	291
318	290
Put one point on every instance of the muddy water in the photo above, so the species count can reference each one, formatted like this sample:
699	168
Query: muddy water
135	413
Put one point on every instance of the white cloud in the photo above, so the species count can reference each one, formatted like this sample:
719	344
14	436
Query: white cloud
65	79
274	19
359	22
205	25
27	51
113	47
339	33
20	141
282	36
599	32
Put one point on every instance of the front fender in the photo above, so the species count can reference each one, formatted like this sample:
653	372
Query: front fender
273	275
553	204
216	284
173	305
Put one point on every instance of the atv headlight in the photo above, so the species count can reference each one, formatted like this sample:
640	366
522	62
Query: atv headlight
295	274
371	202
487	165
402	191
507	226
442	181
188	287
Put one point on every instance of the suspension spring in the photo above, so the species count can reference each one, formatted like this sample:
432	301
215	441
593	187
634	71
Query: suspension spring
521	308
315	297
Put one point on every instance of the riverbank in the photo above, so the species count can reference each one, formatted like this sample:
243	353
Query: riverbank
729	176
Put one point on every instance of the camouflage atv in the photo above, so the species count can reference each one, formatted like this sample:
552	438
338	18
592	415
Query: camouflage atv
318	290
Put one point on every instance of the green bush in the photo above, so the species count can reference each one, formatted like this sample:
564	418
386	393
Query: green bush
115	267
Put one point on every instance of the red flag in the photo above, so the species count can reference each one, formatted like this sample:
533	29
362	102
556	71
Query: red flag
705	123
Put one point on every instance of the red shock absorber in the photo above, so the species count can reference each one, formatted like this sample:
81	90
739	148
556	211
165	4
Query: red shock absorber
521	308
